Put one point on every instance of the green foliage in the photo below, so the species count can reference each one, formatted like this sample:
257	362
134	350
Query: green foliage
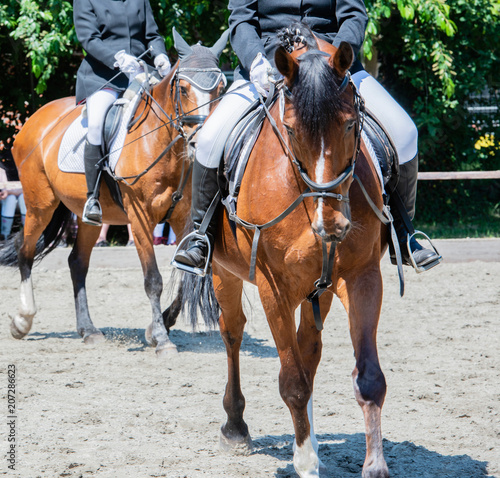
45	32
197	21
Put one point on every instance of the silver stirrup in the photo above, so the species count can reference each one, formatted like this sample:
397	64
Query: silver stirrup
183	246
86	209
429	265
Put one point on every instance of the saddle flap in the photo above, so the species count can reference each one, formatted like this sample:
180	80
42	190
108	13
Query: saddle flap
381	148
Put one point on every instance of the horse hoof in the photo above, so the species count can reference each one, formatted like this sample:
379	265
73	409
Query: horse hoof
375	471
236	447
19	327
166	350
148	335
94	339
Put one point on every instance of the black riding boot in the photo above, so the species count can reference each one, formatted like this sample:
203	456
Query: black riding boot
205	187
92	213
402	203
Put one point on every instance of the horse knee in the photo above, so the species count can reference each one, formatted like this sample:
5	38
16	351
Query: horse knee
295	389
369	382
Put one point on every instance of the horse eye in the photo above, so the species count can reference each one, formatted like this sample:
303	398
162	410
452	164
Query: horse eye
184	91
349	125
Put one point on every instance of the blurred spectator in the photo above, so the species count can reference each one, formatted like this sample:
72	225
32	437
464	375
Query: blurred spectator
163	234
10	199
102	240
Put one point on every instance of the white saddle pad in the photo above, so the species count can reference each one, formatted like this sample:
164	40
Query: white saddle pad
70	157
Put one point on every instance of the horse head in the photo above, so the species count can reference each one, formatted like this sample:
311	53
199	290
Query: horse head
196	82
321	115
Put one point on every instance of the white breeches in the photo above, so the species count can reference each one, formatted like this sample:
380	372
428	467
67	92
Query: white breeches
97	107
393	117
396	122
218	127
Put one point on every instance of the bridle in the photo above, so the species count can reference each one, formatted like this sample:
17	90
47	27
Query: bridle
188	74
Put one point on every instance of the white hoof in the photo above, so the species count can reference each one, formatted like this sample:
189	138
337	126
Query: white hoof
20	326
242	448
94	339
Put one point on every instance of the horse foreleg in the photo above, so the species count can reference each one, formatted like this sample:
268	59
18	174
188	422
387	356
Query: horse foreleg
362	298
295	378
156	333
234	433
78	262
310	344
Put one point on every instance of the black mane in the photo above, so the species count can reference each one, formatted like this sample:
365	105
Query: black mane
316	96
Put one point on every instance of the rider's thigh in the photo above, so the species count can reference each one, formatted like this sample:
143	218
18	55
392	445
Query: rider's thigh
393	117
221	122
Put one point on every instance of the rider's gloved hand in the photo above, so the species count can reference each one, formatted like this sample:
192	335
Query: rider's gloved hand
162	64
260	71
128	64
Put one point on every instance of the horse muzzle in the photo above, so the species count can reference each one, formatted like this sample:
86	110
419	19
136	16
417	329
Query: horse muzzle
334	230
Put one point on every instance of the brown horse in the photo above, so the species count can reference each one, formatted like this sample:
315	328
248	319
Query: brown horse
314	223
155	162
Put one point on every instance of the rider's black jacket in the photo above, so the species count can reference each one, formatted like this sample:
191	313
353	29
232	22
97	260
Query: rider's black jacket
105	27
254	23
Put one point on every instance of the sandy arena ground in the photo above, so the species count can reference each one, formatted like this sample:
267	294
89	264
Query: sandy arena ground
115	410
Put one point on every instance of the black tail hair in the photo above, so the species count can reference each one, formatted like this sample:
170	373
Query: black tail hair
48	241
198	294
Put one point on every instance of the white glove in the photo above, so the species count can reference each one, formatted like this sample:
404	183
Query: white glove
162	64
259	74
128	64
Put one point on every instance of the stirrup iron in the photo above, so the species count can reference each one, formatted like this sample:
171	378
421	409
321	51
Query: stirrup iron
183	245
90	202
429	265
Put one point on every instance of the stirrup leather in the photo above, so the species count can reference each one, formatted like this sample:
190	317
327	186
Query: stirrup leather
183	245
429	265
91	201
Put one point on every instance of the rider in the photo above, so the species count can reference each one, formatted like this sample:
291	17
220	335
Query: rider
113	34
254	25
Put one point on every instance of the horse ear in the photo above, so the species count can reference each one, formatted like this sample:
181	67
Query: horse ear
342	59
181	45
220	44
286	64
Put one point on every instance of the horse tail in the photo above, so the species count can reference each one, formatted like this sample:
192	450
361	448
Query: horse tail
198	295
48	241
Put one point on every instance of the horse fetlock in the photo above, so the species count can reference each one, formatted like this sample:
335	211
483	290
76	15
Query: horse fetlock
235	444
20	325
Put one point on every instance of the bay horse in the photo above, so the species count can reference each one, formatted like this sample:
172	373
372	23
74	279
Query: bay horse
152	154
302	231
